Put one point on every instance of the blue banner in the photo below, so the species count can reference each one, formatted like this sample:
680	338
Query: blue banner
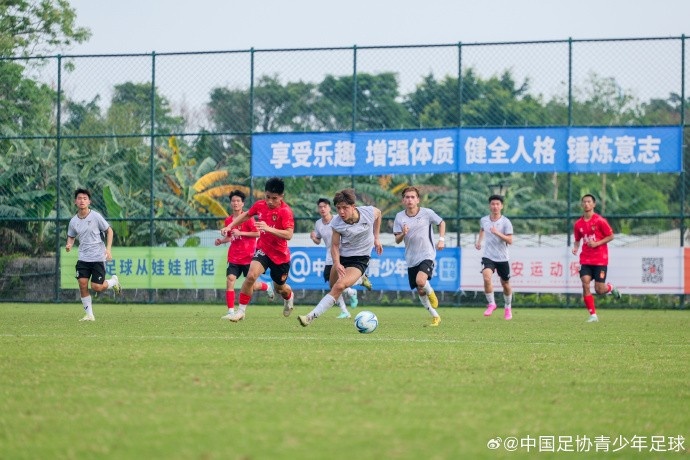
387	272
643	149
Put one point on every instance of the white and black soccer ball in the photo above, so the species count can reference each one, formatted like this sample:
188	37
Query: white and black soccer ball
366	322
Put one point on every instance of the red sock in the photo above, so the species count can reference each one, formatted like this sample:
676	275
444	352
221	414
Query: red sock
289	295
244	298
589	303
264	286
230	299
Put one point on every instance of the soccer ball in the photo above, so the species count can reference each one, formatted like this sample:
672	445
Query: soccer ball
366	322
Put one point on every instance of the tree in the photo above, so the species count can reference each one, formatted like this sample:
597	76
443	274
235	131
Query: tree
38	27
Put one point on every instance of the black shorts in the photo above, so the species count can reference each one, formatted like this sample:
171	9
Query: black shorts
596	272
502	268
359	262
279	272
95	271
237	270
327	273
426	266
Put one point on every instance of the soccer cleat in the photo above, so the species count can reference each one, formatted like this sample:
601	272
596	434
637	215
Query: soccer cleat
238	316
489	309
436	321
593	319
88	318
344	315
353	301
366	282
270	292
304	320
117	287
615	293
289	304
229	315
508	314
433	300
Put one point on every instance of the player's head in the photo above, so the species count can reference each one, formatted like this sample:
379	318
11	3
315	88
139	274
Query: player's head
410	189
496	197
274	192
239	194
588	195
82	191
275	185
324	206
346	196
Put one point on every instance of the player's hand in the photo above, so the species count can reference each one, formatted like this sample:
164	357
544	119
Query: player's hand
108	255
68	247
378	246
478	245
218	241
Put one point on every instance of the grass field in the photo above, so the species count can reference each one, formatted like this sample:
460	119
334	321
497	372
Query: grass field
176	382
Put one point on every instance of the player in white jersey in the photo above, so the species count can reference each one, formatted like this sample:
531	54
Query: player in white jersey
323	232
414	227
356	231
88	225
499	234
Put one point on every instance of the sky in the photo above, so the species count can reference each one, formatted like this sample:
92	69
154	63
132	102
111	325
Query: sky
144	26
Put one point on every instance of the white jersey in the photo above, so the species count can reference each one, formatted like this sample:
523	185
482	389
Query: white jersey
356	239
419	241
325	233
88	232
495	248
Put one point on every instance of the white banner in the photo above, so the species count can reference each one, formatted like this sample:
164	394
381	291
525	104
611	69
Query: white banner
556	270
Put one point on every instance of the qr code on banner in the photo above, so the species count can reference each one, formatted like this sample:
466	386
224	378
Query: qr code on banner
653	270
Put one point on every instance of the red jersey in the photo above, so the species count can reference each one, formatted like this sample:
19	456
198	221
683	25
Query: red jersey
280	218
241	248
595	229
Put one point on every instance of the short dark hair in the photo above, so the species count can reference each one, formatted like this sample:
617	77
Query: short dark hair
495	197
238	193
588	195
346	196
275	185
80	191
324	200
410	188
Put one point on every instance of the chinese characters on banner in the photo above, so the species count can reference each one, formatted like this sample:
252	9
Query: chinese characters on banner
578	150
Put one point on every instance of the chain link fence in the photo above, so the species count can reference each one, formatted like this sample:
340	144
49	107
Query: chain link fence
161	139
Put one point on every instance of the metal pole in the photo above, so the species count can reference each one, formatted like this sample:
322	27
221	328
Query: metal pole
58	151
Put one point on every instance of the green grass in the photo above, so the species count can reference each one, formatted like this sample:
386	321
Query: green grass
177	382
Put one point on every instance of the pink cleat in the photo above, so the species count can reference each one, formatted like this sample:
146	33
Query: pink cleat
489	309
508	314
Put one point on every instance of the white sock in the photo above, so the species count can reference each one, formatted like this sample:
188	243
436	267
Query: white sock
359	281
427	287
425	301
341	304
351	292
325	303
508	299
243	308
490	298
88	307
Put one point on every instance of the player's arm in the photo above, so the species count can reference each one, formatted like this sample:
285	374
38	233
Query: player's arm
285	234
576	246
236	221
441	235
335	254
377	231
480	237
70	243
601	242
108	243
314	237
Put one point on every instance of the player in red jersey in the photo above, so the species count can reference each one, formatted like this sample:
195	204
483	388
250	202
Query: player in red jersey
242	239
276	225
596	233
